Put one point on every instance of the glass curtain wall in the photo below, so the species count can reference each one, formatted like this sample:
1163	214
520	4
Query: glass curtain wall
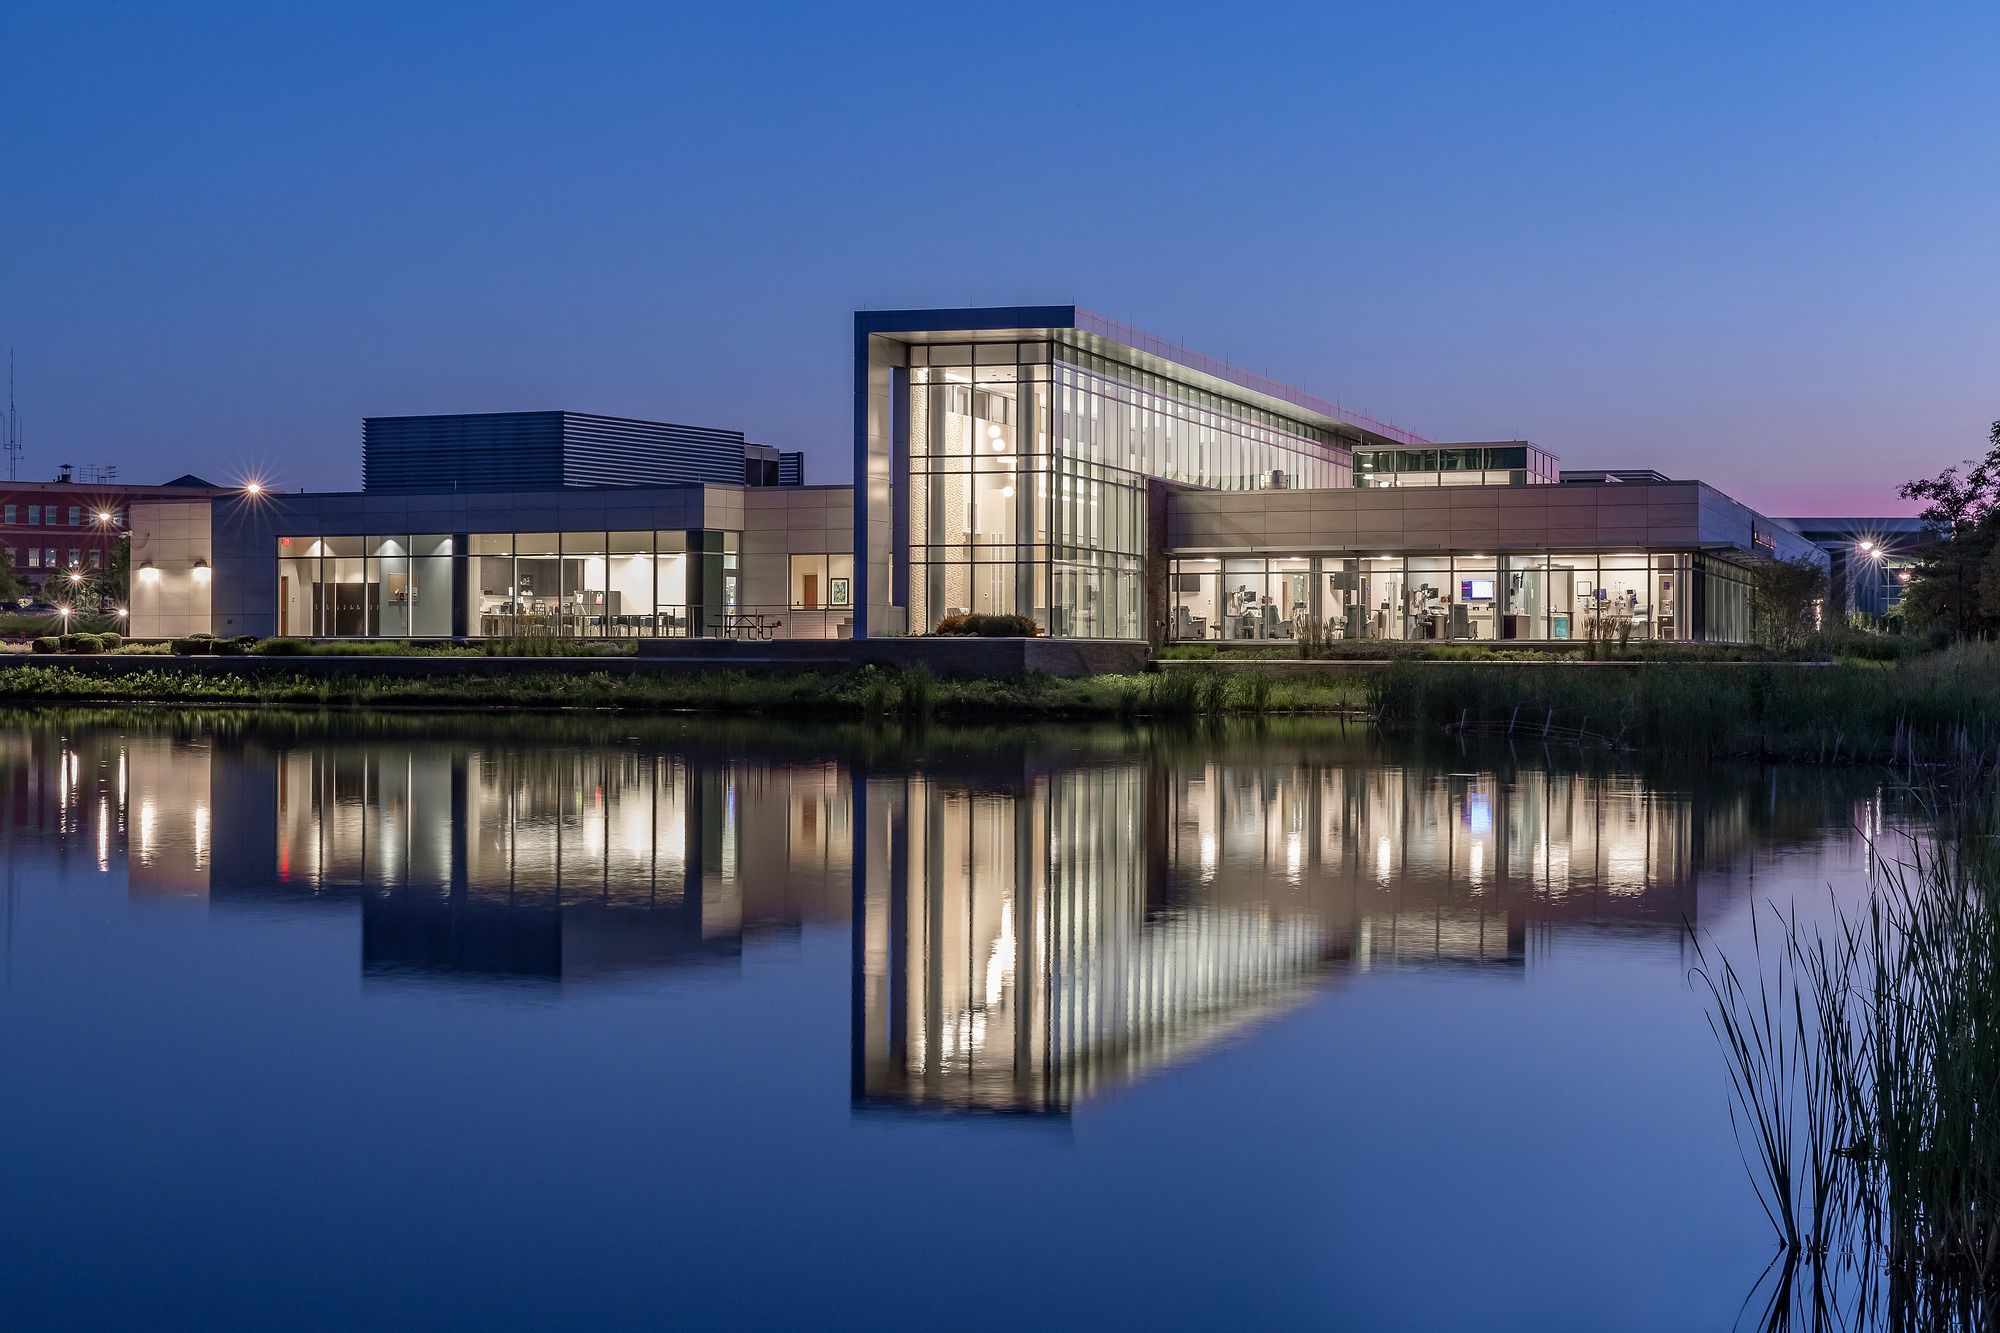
980	482
581	584
1462	465
394	586
1449	597
588	584
1028	469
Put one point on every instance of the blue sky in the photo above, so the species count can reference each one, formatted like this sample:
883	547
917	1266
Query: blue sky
1751	244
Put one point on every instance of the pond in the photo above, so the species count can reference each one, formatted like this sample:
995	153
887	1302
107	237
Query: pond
525	1022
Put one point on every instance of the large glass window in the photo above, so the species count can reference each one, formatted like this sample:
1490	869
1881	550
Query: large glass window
1194	616
583	572
1343	605
1028	471
1475	598
979	484
630	574
492	569
1461	598
590	584
1526	598
1382	590
822	582
389	586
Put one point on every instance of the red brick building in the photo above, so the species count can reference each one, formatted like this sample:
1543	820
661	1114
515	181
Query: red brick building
49	528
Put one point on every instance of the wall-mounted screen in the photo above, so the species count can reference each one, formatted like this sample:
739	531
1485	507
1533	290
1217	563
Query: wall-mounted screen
1475	590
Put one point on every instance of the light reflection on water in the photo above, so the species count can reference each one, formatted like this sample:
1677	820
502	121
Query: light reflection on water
966	924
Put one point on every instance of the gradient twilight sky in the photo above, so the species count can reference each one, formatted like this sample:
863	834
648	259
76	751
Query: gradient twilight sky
1754	244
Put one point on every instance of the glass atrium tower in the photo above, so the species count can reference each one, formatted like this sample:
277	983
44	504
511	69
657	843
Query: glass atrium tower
1005	458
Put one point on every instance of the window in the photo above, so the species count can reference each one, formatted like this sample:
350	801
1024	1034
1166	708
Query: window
75	557
97	559
35	515
34	557
12	514
75	516
822	582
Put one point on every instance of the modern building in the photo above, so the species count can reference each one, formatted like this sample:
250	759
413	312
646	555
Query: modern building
513	525
60	534
1870	558
1047	462
1040	461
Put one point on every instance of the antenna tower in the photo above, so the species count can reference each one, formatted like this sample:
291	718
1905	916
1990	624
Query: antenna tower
13	423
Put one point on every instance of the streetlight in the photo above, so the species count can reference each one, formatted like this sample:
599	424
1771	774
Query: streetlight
253	489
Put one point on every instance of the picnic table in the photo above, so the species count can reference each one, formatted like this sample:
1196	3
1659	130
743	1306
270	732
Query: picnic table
749	625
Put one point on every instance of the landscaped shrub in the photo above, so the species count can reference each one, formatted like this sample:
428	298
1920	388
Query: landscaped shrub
82	643
240	646
282	648
113	641
48	643
988	626
199	645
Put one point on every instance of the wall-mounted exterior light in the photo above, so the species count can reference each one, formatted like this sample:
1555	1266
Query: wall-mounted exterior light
201	571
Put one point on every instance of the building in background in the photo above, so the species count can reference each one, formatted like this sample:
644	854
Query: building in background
61	534
1870	559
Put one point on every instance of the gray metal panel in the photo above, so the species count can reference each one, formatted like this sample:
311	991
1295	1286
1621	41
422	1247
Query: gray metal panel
527	451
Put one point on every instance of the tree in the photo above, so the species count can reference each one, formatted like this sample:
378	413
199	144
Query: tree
118	574
1962	510
12	585
1989	585
1786	598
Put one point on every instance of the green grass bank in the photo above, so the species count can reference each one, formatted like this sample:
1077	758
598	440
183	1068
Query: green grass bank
865	692
1921	708
1918	708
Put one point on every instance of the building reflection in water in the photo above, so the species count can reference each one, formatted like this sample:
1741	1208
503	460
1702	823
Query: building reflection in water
1014	952
1024	943
563	862
1028	928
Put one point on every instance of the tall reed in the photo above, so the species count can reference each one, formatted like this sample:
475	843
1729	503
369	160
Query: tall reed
1864	1065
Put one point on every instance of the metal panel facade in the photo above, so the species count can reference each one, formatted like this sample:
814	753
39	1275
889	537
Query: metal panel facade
520	451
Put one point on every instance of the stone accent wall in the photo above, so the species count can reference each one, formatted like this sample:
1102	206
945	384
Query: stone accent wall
171	599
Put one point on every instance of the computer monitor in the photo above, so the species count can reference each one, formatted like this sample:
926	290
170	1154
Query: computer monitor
1475	590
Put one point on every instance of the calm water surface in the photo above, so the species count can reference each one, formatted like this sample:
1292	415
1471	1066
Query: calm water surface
679	1025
